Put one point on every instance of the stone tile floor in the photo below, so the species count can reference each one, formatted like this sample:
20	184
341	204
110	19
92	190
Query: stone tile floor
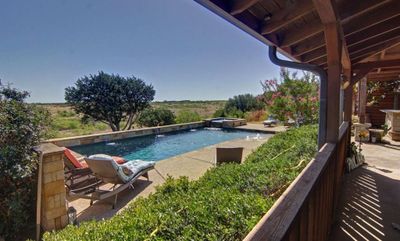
370	198
192	164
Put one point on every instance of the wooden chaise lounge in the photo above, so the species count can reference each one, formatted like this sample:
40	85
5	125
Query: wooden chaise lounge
108	171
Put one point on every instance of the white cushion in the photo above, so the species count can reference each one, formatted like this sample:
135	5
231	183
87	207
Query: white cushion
101	157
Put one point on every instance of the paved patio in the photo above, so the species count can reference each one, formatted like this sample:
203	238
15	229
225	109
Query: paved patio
261	127
370	201
192	164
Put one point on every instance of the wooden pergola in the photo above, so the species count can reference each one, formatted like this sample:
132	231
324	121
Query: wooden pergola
344	42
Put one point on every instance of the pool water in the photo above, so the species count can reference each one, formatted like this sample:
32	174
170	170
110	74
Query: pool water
158	147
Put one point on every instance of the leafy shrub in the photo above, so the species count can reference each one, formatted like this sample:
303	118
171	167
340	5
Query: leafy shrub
186	116
243	103
292	97
219	113
156	117
258	115
21	127
239	105
66	113
224	204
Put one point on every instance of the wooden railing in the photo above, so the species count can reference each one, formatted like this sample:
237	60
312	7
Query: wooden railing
305	211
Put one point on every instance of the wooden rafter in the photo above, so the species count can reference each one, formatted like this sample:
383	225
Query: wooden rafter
315	54
376	41
311	44
378	64
289	14
353	9
372	50
302	34
372	18
238	6
374	31
360	23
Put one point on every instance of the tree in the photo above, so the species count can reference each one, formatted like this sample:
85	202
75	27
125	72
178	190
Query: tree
110	99
292	97
156	117
186	116
22	126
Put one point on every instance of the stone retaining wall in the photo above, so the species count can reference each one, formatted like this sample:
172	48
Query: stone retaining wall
112	136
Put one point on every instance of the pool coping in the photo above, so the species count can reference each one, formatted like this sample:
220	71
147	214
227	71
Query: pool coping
118	135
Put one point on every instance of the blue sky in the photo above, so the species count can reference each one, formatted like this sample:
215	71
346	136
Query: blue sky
183	49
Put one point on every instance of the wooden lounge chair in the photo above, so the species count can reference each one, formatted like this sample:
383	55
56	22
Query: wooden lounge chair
78	176
228	155
121	175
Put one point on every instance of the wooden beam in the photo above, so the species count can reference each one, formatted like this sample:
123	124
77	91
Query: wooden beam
334	50
290	13
382	56
299	35
346	62
378	64
326	10
348	95
359	75
362	95
238	6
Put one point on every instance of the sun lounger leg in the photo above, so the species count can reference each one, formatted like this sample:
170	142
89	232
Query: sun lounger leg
146	175
115	201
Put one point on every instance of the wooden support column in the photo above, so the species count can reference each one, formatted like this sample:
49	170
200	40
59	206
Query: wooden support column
362	99
334	50
348	98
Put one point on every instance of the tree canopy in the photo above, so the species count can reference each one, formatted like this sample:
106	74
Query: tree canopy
109	98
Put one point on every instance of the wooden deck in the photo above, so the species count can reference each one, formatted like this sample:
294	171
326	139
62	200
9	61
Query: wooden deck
370	199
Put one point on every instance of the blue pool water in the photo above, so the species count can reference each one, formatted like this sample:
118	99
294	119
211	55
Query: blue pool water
158	147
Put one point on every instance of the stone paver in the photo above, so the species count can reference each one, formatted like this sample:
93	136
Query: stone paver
370	198
192	164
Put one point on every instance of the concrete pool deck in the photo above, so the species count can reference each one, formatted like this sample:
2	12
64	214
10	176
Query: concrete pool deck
191	164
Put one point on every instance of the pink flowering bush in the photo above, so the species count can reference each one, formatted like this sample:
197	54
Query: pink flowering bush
292	97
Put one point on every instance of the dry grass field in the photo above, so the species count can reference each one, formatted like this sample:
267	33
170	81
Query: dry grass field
65	122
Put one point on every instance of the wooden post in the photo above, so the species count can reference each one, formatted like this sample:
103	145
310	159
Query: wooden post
348	98
362	99
334	50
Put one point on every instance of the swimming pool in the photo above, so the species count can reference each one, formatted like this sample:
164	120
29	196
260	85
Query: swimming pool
158	147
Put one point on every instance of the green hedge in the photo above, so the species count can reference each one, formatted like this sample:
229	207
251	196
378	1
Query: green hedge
224	204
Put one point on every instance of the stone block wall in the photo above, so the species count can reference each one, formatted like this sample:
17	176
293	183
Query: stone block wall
53	195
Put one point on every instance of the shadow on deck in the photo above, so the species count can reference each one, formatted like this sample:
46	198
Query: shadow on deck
370	198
